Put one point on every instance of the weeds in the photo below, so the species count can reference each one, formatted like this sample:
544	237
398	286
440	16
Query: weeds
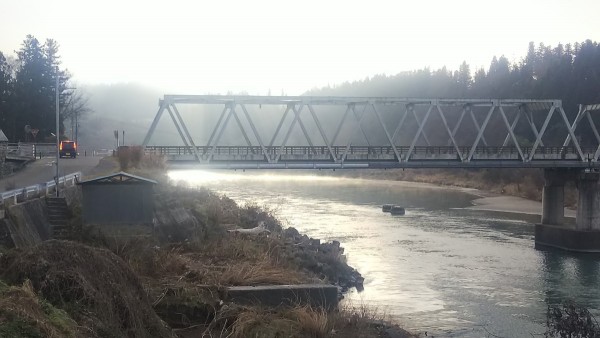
571	320
301	321
24	314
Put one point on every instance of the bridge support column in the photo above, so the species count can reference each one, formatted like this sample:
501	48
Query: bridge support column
588	207
553	197
585	235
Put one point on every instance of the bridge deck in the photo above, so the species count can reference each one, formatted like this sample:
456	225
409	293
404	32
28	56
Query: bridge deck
306	157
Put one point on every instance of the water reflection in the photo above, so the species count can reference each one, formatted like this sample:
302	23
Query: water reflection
571	276
440	268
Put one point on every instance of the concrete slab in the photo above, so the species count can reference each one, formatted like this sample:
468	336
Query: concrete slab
317	295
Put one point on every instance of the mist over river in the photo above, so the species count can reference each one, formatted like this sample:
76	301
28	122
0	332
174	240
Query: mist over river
440	268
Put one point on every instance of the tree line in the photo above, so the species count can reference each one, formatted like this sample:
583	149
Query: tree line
28	92
568	72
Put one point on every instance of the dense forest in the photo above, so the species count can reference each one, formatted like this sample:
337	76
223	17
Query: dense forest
28	92
568	72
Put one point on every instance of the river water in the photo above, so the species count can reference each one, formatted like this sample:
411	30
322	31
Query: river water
441	268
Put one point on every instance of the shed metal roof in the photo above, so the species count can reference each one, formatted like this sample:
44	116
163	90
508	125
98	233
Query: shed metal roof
3	137
117	178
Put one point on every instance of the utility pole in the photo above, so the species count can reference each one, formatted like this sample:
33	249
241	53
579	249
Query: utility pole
57	131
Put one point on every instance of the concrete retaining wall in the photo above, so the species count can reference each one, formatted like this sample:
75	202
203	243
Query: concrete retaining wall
27	224
316	295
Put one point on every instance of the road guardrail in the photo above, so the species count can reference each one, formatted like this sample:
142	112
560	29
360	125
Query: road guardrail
40	189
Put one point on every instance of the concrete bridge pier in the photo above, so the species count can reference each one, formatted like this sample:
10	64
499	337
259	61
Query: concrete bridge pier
585	235
588	208
553	197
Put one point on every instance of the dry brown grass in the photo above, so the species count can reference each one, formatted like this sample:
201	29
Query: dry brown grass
526	183
260	273
301	321
314	322
238	260
94	286
23	313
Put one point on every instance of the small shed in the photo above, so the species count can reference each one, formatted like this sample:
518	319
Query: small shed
119	198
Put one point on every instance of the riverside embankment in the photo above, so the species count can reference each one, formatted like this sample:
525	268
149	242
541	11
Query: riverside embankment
443	267
178	275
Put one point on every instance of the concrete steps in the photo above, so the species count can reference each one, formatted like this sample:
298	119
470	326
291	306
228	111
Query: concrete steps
58	217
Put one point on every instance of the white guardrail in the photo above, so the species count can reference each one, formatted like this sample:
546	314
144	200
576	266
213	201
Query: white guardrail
39	190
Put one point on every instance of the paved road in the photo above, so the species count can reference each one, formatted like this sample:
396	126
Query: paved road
43	170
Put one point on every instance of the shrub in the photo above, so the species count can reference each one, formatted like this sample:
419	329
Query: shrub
571	320
124	156
136	155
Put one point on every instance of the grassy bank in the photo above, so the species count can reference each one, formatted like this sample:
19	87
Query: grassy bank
171	281
526	183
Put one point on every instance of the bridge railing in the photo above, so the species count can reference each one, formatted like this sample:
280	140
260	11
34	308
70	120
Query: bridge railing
339	151
38	190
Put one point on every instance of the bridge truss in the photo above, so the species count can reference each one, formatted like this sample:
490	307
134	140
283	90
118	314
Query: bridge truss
377	132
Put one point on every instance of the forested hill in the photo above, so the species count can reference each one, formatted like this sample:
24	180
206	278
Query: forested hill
568	72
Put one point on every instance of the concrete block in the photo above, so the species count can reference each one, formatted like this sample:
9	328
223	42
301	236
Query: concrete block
569	239
317	295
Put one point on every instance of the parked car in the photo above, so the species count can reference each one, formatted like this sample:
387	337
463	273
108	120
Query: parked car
67	149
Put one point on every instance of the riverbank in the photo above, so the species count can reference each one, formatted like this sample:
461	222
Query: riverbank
496	190
176	277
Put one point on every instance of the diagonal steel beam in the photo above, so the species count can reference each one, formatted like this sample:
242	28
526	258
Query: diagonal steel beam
304	131
357	123
237	119
339	128
212	149
401	122
214	132
593	125
256	134
460	155
542	131
529	117
566	120
360	125
477	126
157	117
414	141
596	134
186	131
287	110
459	122
289	132
421	128
387	134
510	132
312	112
512	127
578	118
480	133
183	138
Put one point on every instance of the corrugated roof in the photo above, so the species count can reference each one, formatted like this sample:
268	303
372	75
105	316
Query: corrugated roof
120	177
3	137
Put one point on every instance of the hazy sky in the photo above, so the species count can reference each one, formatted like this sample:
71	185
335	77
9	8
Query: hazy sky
198	47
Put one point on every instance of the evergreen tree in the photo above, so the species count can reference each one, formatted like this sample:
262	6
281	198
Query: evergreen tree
35	88
6	92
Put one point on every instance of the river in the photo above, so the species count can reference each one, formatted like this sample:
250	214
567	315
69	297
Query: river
441	268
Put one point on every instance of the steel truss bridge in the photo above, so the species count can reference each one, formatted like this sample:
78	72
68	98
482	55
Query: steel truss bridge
376	132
